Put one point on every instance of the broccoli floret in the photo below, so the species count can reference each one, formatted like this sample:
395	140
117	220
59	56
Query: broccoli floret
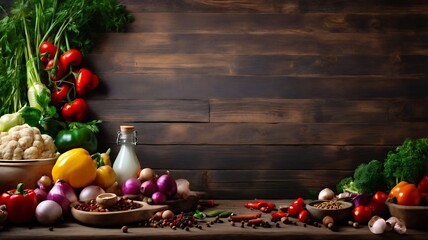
346	185
407	162
369	178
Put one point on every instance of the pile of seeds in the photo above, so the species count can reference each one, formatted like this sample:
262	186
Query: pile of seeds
180	221
121	205
330	205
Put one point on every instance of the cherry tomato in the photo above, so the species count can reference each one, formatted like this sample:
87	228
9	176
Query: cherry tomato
300	201
294	209
377	208
303	216
377	203
380	197
362	214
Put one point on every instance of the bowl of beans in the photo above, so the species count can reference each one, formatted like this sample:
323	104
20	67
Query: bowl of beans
340	211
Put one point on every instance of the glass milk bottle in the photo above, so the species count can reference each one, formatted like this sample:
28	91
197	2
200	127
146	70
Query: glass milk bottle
126	164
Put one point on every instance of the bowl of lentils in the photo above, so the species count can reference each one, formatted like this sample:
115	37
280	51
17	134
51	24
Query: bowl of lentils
340	211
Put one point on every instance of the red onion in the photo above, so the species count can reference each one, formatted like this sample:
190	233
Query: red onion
90	192
41	194
63	194
44	182
131	186
167	185
158	198
48	212
148	187
361	199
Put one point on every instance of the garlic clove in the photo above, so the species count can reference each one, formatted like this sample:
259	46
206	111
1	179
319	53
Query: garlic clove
400	227
377	225
390	223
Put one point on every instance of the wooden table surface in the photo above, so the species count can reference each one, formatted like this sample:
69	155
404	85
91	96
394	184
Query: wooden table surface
69	229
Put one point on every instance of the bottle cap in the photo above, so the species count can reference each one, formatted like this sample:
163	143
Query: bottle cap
126	128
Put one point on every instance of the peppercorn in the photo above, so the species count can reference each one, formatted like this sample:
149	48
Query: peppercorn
124	229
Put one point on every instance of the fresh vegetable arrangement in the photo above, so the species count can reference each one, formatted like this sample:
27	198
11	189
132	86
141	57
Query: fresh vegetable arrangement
43	80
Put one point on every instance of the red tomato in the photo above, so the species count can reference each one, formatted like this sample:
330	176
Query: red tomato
362	214
294	209
300	201
380	197
303	216
377	203
377	208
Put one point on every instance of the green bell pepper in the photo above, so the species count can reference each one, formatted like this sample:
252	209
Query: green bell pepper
81	137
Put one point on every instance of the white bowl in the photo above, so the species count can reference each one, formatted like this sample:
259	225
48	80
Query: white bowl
28	172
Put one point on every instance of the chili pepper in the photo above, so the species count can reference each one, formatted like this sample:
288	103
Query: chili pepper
264	206
20	203
213	213
47	51
76	167
60	94
72	57
199	215
85	81
225	214
405	194
276	216
79	137
256	221
56	71
75	110
219	213
239	218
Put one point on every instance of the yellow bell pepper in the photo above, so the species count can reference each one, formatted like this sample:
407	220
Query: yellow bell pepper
76	167
106	176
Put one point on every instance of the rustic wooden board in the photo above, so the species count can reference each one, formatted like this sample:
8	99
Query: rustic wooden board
278	134
273	97
379	22
289	42
170	86
151	110
69	229
258	65
250	157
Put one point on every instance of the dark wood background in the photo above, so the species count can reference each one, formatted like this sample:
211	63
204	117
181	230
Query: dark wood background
266	99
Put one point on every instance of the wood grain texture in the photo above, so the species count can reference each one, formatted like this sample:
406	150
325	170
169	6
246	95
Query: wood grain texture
264	96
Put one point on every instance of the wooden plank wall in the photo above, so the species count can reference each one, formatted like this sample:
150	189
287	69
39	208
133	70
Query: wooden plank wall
266	99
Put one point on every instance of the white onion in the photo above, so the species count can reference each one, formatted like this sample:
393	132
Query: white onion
90	192
146	174
48	212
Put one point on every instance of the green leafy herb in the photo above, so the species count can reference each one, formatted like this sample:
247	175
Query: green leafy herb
407	162
368	178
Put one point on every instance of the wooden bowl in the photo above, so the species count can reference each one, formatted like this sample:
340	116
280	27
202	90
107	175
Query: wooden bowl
28	172
106	200
339	215
413	216
116	218
183	205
